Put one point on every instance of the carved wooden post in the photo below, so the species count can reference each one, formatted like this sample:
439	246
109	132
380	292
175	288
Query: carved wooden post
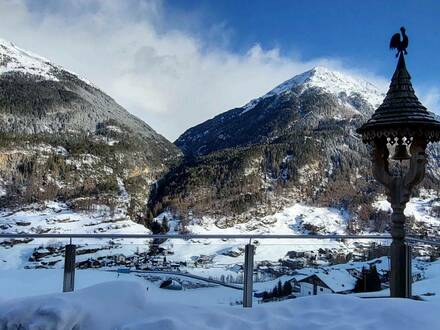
402	121
398	257
398	189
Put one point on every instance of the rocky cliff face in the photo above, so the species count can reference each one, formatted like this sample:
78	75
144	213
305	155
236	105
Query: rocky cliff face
63	138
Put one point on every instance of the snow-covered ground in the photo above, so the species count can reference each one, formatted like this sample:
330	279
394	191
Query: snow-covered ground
34	282
57	218
292	220
418	207
105	301
295	220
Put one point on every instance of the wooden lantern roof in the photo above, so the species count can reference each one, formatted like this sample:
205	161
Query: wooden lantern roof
401	114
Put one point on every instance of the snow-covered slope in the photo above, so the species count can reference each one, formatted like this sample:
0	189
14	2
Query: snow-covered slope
42	96
14	59
297	219
127	304
330	81
58	218
62	137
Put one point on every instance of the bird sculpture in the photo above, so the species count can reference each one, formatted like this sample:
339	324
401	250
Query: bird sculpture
399	44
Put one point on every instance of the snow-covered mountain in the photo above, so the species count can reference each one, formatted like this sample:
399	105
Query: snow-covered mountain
330	81
296	143
15	59
310	99
71	160
41	97
65	139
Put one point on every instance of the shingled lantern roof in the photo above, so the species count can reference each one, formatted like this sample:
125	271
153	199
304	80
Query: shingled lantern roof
401	115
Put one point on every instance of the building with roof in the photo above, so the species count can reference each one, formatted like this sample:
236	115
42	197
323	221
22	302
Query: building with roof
331	281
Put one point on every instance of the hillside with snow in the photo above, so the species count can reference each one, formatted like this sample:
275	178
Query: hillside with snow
297	143
216	258
15	59
65	140
354	97
62	100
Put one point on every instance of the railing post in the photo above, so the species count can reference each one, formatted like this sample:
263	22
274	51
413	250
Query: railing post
401	277
408	255
69	268
248	275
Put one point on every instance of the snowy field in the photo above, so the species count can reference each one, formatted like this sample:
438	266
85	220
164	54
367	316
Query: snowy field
54	218
57	218
290	220
31	299
104	301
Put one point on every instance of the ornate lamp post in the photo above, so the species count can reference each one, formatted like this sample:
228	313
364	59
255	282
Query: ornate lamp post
400	124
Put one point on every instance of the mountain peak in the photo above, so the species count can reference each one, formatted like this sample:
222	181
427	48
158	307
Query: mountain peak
330	81
15	59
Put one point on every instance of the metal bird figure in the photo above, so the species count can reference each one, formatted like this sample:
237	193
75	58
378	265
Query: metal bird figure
400	45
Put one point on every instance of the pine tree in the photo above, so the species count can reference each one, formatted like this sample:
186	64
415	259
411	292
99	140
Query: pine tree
280	289
287	288
275	292
266	296
369	281
165	225
360	283
373	280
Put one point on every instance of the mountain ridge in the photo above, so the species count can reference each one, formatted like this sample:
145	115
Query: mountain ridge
318	77
20	66
353	97
297	142
64	138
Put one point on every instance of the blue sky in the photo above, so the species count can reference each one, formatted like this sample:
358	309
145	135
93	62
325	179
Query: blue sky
356	31
176	63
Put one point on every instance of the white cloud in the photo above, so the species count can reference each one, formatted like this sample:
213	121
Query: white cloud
431	99
166	76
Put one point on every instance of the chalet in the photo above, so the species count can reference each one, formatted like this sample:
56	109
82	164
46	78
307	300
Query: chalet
175	266
331	281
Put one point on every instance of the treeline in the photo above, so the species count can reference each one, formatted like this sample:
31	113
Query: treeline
34	175
369	281
233	180
38	179
280	291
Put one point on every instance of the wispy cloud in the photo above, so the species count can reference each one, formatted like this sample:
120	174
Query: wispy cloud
165	75
431	99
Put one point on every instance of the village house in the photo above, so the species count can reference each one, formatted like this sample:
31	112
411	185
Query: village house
331	281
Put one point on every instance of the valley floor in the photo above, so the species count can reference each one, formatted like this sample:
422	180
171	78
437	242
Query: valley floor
104	299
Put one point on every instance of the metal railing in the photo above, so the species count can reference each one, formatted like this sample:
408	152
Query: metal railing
194	236
422	240
249	250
